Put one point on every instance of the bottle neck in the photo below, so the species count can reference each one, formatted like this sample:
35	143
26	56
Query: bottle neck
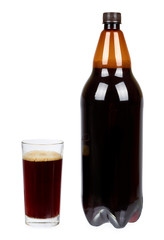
111	26
112	51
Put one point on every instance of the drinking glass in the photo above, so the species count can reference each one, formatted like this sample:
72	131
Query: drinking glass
42	168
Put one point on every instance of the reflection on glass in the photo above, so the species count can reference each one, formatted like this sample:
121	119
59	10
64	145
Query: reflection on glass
106	49
101	91
117	49
122	91
119	72
104	72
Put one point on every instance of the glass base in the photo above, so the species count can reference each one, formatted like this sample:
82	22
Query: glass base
42	222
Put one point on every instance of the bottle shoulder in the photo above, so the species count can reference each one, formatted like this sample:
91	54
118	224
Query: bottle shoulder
112	85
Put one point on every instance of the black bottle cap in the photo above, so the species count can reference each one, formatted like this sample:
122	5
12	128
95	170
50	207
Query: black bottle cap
111	17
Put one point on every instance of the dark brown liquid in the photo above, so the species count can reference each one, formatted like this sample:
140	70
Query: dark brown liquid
111	105
42	181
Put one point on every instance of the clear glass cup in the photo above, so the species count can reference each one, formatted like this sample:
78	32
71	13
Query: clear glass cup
42	168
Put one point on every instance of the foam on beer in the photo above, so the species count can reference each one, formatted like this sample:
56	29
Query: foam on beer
41	156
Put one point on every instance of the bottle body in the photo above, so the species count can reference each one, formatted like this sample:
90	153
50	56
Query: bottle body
111	105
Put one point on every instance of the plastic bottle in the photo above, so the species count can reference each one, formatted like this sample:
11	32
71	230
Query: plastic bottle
111	106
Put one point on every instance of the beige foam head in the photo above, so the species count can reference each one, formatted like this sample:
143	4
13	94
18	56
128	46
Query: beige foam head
41	156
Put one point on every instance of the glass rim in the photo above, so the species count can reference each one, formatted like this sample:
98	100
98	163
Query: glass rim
43	142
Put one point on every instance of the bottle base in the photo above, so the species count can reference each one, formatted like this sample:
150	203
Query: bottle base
100	215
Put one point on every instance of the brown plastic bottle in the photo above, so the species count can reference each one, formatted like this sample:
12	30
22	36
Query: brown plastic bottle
111	105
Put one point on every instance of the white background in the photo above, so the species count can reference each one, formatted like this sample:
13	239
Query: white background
46	53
